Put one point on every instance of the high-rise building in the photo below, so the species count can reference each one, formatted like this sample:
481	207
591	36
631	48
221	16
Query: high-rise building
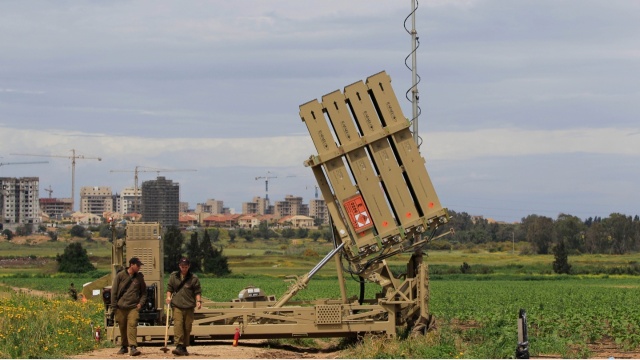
20	201
96	199
161	201
318	210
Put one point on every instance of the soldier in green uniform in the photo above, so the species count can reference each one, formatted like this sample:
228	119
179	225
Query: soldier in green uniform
184	295
73	292
128	295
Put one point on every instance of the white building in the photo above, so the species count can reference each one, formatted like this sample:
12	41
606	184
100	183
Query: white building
211	206
20	201
96	199
130	201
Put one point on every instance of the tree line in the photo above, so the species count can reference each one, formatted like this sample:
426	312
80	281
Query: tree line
615	234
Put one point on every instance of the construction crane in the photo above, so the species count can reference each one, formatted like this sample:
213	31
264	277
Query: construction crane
49	190
146	169
73	158
316	187
266	183
24	163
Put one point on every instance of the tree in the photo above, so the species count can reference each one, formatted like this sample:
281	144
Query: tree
24	230
215	235
570	230
213	262
77	231
104	231
539	232
302	233
288	233
7	233
622	233
561	263
596	239
216	263
194	253
315	235
74	259
53	235
173	240
232	236
264	231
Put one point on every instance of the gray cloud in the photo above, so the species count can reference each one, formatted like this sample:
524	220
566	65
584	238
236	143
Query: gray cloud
519	99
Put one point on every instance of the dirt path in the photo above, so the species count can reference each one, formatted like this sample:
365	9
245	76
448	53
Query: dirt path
40	293
248	349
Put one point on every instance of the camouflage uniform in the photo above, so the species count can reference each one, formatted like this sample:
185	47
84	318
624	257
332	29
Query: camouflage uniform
183	302
127	313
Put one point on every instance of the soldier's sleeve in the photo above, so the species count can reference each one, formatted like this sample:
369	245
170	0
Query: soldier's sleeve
170	284
114	290
197	289
143	291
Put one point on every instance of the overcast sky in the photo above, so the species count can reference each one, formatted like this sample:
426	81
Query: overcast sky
528	107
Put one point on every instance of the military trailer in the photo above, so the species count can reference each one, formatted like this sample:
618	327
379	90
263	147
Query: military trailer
381	202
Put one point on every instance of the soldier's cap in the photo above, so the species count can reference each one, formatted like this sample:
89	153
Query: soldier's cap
135	260
184	261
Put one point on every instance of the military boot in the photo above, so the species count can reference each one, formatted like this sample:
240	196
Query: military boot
180	351
134	351
123	350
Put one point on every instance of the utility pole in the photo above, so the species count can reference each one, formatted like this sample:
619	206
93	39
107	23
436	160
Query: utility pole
73	158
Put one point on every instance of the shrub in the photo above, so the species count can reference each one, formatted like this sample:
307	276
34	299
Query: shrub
310	253
74	259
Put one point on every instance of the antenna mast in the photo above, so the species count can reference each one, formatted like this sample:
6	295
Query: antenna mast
415	78
414	70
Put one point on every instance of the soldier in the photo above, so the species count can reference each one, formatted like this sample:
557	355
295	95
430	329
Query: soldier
183	294
73	292
128	295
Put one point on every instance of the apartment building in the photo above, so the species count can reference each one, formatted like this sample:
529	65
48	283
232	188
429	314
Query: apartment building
55	207
161	202
318	210
292	205
211	206
20	201
96	199
258	206
129	201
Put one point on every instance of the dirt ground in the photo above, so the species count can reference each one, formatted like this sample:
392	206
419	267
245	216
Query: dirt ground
30	239
246	349
260	349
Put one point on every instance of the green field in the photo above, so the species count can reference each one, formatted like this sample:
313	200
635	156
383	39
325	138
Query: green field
477	316
476	312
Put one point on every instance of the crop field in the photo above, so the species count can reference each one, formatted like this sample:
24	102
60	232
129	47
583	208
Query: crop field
477	317
569	316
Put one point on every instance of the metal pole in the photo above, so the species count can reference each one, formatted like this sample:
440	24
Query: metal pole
414	72
73	180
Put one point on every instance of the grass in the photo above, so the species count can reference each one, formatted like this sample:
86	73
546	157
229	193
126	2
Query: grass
476	312
36	327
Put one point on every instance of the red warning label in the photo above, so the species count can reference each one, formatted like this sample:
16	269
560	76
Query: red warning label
358	213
